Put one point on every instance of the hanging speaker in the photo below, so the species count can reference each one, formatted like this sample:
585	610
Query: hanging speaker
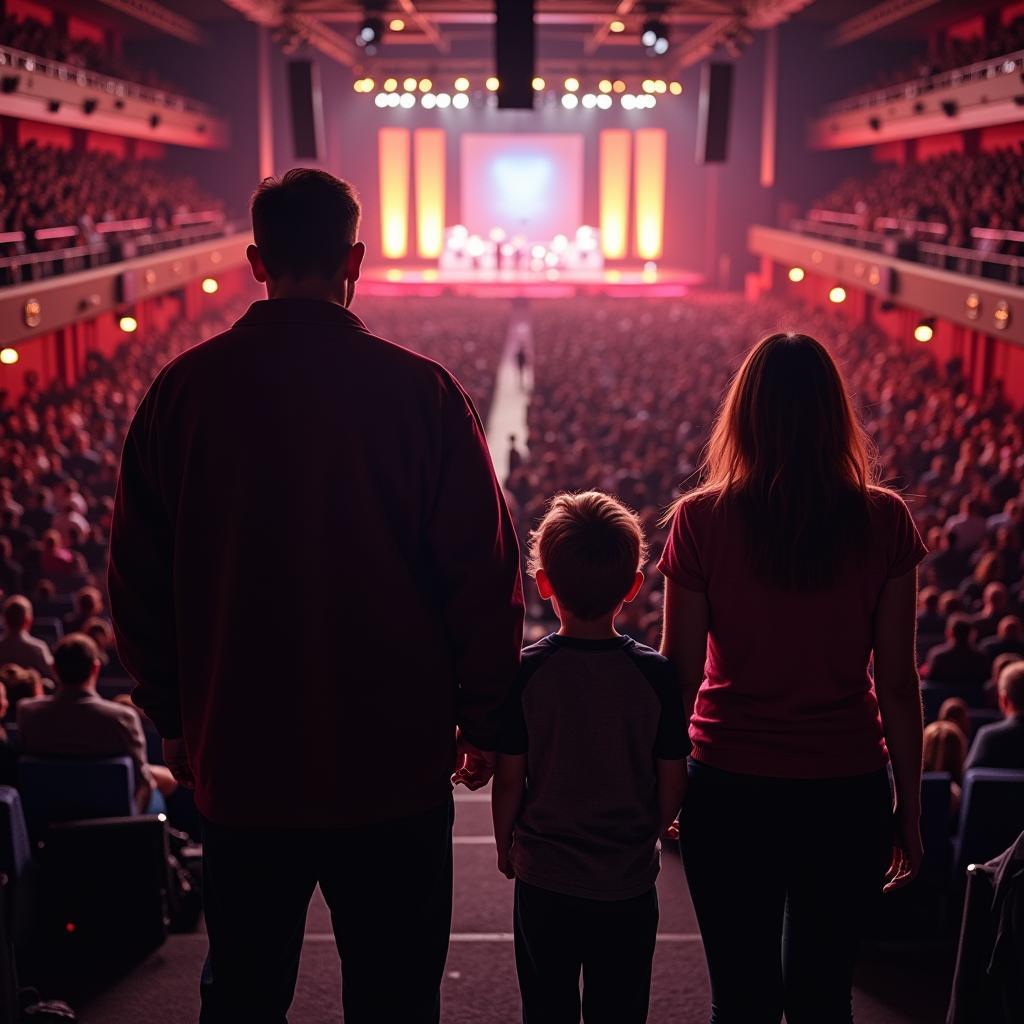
307	108
514	53
713	111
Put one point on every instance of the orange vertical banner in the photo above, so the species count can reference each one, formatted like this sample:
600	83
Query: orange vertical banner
615	152
649	175
393	158
429	170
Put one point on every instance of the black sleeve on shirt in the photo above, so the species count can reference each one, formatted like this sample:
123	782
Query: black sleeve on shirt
672	742
513	738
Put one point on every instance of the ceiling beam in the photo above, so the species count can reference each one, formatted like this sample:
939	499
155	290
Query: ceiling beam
152	13
875	18
594	41
425	25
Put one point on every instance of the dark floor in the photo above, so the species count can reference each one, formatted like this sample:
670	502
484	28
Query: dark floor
480	985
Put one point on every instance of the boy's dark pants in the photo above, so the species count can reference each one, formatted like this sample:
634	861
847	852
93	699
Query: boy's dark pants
612	942
389	889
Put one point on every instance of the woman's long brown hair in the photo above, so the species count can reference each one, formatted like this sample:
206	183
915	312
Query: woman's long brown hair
788	448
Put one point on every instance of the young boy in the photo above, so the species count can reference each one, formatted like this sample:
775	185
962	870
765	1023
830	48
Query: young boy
591	770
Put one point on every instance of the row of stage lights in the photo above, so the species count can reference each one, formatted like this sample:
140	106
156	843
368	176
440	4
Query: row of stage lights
924	330
407	92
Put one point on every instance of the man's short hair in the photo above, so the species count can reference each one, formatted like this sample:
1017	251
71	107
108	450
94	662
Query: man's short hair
74	659
1011	686
960	628
21	683
304	223
17	611
590	545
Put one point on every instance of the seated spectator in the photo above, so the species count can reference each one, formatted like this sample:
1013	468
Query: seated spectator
995	599
1001	745
969	526
945	748
958	662
78	722
58	562
88	605
11	574
102	634
955	710
1009	638
38	516
18	646
948	565
931	623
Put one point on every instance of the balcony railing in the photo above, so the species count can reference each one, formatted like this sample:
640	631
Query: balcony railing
116	87
1007	64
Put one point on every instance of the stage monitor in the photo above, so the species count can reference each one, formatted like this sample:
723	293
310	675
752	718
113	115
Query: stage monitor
529	185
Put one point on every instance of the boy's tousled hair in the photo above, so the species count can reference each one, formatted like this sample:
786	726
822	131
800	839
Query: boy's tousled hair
304	223
590	545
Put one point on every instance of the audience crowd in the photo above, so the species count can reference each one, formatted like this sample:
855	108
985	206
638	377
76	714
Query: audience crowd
43	187
599	417
957	191
47	41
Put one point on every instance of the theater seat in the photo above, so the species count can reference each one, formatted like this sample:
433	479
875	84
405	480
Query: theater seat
991	816
935	827
50	630
16	864
982	716
57	789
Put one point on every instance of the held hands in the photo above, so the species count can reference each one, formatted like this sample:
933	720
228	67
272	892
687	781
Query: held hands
907	851
176	759
473	767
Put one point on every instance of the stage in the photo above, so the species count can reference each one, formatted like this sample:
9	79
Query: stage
625	282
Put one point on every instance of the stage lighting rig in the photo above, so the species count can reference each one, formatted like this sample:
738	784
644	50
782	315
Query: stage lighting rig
654	33
372	29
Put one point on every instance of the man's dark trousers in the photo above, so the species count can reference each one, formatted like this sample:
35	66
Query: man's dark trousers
389	889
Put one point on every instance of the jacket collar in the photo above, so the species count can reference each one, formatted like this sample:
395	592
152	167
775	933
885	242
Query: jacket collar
299	311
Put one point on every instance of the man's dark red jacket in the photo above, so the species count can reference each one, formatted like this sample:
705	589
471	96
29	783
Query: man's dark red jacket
313	574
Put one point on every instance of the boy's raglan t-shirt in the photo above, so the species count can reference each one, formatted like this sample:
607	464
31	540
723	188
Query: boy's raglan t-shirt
592	717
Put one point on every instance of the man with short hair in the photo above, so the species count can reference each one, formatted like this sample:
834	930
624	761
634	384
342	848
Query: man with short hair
387	534
1001	744
957	662
1009	639
18	646
77	722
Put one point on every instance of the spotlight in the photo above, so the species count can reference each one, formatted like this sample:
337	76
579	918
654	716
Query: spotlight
661	86
425	85
444	101
619	86
390	84
381	99
654	37
409	85
796	274
128	324
407	101
492	84
460	101
8	356
461	84
589	101
617	26
429	101
210	285
628	102
950	108
371	33
570	101
837	294
604	102
924	331
676	88
538	84
648	85
604	85
572	85
396	25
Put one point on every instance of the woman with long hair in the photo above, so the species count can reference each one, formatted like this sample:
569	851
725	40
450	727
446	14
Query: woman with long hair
787	572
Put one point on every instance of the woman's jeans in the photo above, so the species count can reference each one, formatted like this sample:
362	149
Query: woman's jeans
783	875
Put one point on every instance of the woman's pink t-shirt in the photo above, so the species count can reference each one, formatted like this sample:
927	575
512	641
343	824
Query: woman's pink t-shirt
786	689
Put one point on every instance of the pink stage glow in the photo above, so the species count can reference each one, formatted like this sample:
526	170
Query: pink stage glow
529	185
